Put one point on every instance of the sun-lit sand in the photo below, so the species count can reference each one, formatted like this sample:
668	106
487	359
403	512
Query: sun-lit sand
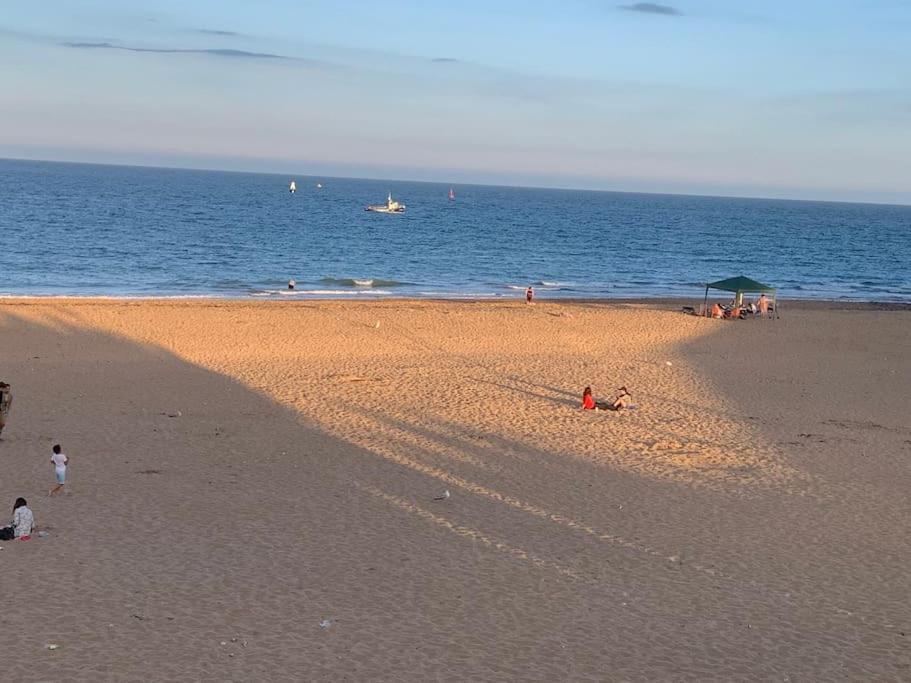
251	492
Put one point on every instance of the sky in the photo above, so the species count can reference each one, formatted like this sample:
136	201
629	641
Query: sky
808	99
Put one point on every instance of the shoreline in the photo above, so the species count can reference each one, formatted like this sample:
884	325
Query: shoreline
659	303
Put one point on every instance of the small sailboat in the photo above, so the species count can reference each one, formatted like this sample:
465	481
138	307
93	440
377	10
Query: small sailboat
391	206
292	188
319	186
451	195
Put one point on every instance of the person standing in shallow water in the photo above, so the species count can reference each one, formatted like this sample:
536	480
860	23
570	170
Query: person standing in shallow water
60	462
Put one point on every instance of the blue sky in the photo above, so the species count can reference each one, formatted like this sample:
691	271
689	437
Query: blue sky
804	99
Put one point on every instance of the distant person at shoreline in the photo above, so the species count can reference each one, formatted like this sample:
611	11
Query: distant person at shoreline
529	294
23	523
60	462
291	284
763	306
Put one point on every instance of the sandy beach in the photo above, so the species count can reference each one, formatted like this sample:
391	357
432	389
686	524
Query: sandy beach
252	492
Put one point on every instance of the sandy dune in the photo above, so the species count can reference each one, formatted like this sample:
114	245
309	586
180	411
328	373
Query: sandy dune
242	472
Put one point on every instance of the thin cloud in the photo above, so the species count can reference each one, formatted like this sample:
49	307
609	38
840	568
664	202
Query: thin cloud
217	52
444	60
216	32
652	8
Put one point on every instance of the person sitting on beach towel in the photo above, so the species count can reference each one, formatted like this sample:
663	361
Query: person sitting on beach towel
23	523
717	310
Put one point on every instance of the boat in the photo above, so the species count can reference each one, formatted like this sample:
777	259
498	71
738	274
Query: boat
451	195
319	186
292	188
391	206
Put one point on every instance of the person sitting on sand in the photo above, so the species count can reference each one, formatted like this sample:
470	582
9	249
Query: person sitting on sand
60	462
622	401
588	401
23	522
717	310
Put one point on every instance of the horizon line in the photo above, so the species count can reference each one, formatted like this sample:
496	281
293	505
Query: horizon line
209	169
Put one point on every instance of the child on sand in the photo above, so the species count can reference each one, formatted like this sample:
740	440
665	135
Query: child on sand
60	462
588	401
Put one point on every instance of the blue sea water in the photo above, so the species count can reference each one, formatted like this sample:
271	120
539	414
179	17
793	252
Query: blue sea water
78	229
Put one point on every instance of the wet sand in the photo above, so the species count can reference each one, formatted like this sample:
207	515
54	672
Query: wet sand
243	472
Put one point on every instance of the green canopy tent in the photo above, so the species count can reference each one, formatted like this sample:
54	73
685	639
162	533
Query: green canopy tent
739	285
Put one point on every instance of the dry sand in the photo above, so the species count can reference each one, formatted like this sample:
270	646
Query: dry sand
242	472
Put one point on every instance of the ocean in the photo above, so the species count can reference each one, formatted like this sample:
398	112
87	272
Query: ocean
93	230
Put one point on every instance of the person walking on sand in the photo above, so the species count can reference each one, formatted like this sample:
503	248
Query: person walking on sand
529	294
60	462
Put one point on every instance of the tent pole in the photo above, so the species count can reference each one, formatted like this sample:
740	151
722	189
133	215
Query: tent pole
705	303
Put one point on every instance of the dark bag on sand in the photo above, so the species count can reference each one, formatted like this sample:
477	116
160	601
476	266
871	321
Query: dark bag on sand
7	533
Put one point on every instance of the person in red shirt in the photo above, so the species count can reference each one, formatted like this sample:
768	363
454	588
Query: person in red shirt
588	401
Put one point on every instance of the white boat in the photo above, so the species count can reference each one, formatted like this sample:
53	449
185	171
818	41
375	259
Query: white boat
319	186
391	206
292	188
451	195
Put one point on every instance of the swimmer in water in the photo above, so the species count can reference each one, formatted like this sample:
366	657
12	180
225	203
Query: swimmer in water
291	284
